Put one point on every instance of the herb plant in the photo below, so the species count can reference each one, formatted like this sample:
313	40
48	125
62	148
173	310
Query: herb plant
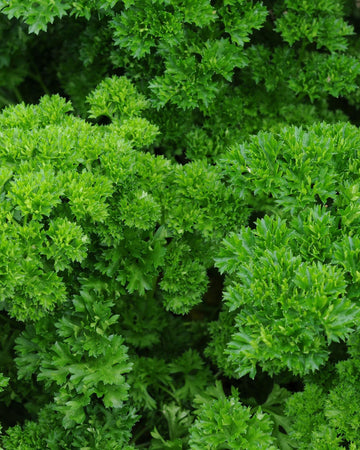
179	211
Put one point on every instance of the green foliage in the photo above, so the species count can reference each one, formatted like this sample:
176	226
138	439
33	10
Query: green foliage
13	67
259	65
179	207
296	308
223	422
180	298
324	417
116	98
94	255
102	429
287	290
39	14
3	381
320	23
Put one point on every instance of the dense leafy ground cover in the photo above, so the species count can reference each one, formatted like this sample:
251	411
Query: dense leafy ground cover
179	216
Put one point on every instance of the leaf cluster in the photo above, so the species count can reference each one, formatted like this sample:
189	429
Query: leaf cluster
179	207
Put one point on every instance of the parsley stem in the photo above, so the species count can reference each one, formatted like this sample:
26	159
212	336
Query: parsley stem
18	95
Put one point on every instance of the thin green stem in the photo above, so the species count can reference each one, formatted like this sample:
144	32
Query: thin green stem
35	75
38	78
139	434
18	95
170	393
